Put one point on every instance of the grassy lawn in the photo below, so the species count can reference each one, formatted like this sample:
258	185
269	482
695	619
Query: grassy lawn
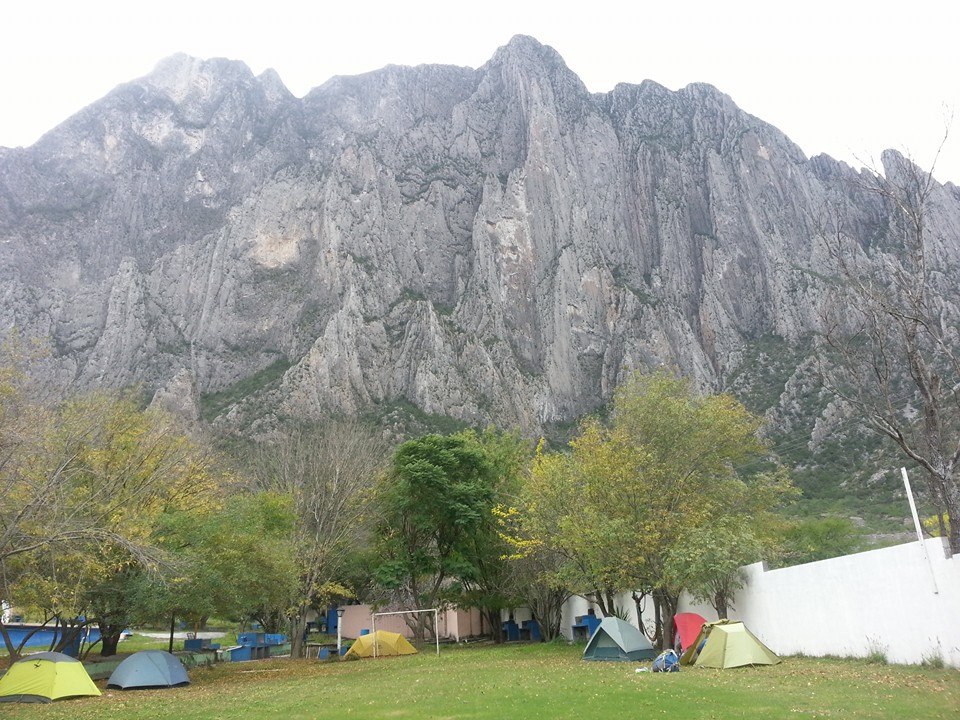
528	681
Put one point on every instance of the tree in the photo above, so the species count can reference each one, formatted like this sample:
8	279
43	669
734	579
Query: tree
95	465
233	561
618	503
812	539
890	329
695	443
708	563
487	581
78	497
534	572
329	473
590	507
436	506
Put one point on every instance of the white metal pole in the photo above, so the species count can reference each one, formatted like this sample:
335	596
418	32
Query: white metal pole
373	625
916	524
436	629
339	635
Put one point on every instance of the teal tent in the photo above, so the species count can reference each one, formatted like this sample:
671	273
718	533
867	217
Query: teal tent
149	669
615	639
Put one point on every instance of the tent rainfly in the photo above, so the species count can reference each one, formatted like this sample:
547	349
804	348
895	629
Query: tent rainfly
44	677
688	627
615	639
149	669
380	643
727	644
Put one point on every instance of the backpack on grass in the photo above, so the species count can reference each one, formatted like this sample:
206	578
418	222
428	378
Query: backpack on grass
667	662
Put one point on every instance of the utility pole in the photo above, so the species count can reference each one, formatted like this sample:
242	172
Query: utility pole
916	524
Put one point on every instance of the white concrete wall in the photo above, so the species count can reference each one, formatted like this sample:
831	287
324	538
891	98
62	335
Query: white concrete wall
881	600
577	606
851	606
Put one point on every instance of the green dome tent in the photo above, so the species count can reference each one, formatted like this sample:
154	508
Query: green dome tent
149	669
615	639
44	677
727	644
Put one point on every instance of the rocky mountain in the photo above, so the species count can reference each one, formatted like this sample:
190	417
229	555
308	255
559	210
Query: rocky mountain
484	244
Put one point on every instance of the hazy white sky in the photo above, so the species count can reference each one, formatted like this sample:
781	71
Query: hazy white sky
845	77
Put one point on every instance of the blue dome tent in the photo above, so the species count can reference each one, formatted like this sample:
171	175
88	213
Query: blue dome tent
149	669
615	639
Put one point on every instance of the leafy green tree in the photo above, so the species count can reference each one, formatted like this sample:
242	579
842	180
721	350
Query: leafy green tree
436	508
588	506
618	503
695	443
813	539
487	584
534	573
234	561
708	563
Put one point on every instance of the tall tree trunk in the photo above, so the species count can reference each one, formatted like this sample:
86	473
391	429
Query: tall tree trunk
69	634
548	612
665	607
12	652
110	634
57	633
952	486
492	616
638	602
298	631
720	604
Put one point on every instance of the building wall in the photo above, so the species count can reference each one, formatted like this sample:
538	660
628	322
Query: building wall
880	600
452	624
577	606
467	623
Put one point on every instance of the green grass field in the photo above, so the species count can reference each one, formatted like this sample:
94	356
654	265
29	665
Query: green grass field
528	681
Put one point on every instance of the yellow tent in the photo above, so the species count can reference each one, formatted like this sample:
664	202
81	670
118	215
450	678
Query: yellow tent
727	644
387	643
45	676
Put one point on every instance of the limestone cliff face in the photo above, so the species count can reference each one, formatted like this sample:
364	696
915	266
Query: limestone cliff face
489	244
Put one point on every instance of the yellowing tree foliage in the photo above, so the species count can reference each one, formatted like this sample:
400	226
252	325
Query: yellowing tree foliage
630	490
82	484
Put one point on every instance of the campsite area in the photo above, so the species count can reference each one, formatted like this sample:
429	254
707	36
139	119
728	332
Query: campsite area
527	681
